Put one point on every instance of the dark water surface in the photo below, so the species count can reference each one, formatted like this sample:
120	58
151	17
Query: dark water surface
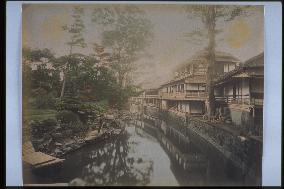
136	158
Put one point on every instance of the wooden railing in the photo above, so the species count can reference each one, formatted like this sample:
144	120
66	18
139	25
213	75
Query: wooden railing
187	94
173	95
196	94
256	101
151	96
240	99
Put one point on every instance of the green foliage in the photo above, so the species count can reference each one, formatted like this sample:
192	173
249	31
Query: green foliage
47	79
68	103
39	128
128	33
67	117
44	101
36	55
75	105
76	29
120	96
70	120
171	119
97	77
40	85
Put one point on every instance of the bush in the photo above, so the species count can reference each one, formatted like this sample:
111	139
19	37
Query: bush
79	108
68	103
70	120
67	117
40	128
43	101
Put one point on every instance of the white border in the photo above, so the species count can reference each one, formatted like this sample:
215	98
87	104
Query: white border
272	102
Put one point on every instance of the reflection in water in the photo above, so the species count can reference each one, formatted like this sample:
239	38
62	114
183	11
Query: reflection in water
135	158
114	164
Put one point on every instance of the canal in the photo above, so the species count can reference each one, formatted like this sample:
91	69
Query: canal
135	158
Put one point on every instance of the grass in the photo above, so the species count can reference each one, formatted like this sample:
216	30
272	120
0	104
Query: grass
37	115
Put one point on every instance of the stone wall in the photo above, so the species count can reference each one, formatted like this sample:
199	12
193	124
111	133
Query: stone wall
245	152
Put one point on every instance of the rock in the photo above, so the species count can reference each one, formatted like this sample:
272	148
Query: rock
81	141
58	144
77	182
57	135
75	146
70	143
52	154
67	149
57	151
68	132
109	117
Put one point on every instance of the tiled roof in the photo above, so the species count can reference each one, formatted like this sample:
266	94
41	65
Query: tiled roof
256	61
200	56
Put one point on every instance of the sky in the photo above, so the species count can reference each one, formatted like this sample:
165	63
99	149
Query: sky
243	37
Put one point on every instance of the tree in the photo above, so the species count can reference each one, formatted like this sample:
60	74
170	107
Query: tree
210	15
127	32
41	82
76	40
43	75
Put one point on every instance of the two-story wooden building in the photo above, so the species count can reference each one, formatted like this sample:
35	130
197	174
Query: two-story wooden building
187	91
240	92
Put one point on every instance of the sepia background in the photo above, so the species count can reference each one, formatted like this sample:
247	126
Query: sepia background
243	37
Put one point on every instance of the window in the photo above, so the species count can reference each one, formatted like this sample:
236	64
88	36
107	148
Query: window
182	88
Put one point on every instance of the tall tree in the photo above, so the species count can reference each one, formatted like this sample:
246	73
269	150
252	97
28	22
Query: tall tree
39	76
76	39
127	32
210	15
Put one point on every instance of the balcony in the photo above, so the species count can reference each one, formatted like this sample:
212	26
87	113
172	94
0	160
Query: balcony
194	94
184	95
240	99
151	96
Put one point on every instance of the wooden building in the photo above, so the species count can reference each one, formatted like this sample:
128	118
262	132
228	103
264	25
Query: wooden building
187	91
240	92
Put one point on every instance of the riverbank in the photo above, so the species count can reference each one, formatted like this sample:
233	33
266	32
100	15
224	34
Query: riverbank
92	137
188	161
116	162
226	143
57	140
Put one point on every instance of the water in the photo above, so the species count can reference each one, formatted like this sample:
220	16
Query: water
136	158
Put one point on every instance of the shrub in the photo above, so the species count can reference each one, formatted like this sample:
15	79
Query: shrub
79	108
43	101
70	120
40	128
67	117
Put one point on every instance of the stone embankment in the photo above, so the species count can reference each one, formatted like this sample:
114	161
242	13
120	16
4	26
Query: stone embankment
243	150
